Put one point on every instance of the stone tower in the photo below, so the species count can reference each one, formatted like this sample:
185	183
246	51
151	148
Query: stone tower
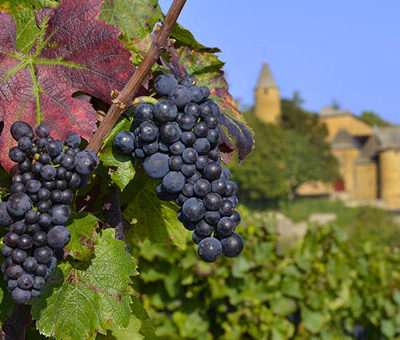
267	97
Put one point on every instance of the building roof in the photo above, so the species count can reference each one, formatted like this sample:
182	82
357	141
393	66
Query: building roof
265	80
388	137
368	151
328	111
344	140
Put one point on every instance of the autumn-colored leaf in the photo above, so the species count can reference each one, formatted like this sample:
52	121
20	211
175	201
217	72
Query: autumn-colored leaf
73	51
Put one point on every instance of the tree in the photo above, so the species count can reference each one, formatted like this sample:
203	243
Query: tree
262	176
372	118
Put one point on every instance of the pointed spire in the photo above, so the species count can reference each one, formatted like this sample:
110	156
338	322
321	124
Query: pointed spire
265	79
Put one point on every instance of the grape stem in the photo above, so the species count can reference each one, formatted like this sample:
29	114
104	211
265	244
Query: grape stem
113	216
121	102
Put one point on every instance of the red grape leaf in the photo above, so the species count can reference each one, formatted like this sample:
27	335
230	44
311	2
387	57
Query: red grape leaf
234	132
74	51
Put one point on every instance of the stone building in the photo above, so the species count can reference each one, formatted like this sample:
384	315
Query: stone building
369	157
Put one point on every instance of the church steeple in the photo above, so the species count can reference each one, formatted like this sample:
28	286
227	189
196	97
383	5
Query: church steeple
265	80
267	97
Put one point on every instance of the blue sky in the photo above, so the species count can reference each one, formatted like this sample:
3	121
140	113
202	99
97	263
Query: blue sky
343	50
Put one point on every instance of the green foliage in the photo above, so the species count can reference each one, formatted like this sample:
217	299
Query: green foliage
372	118
23	12
82	299
262	175
150	217
325	286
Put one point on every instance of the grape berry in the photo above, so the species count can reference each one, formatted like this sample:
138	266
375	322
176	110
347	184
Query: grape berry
177	140
38	208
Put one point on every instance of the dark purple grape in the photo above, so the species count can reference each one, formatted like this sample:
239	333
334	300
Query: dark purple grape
58	237
85	163
201	188
209	249
42	131
193	209
188	138
202	146
20	296
25	166
16	154
204	229
170	132
19	255
164	84
18	204
18	227
177	148
212	217
201	129
226	226
124	142
192	109
5	218
190	156
17	187
165	111
25	242
212	171
31	216
180	96
21	129
14	271
39	238
54	149
73	140
44	158
156	166
30	264
68	161
43	255
232	246
175	163
60	214
48	172
44	194
173	182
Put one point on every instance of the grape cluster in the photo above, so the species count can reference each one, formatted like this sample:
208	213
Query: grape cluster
38	208
177	140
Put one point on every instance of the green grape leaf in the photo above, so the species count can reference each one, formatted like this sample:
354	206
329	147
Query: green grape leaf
313	320
283	306
83	236
135	18
80	301
23	13
122	170
234	131
184	37
151	218
140	326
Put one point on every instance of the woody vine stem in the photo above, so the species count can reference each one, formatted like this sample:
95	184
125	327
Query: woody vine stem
120	103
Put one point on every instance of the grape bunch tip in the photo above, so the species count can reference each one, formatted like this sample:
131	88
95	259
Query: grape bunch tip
177	140
38	208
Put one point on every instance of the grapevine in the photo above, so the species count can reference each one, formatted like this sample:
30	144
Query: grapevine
177	139
39	206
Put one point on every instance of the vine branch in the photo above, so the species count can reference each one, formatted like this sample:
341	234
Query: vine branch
121	102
